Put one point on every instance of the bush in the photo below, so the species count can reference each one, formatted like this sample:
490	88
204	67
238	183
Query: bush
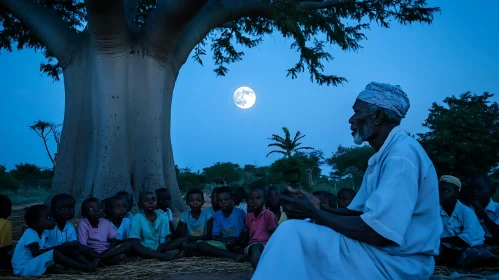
7	181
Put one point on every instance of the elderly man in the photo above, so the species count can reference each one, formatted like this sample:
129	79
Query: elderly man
392	228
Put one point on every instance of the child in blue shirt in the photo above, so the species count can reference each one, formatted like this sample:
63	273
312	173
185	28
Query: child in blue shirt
30	260
194	225
229	231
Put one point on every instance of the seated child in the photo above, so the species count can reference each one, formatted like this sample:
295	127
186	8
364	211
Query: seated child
261	224
240	199
345	197
116	212
462	231
487	210
274	204
329	200
164	199
214	202
62	208
194	225
30	260
129	203
149	230
99	234
229	231
5	232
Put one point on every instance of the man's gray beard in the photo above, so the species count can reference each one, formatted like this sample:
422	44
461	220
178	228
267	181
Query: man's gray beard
359	138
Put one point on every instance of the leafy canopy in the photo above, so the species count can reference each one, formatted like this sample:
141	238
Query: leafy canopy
463	136
350	162
311	25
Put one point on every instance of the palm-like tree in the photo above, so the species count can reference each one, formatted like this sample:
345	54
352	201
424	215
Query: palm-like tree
286	145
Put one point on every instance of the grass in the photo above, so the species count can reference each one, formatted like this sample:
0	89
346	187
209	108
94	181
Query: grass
26	196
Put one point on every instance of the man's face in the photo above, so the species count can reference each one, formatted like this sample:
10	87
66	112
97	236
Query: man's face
362	122
448	193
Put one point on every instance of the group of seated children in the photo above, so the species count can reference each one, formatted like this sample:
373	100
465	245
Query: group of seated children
236	225
467	228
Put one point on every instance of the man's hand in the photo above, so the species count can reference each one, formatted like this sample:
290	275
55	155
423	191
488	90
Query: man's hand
299	204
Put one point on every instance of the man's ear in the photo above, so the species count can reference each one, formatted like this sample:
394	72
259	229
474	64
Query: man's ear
379	117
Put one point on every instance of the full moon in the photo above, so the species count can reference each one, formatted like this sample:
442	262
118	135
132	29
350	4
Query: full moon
244	97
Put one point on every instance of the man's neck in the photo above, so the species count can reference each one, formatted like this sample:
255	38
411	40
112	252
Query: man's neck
378	141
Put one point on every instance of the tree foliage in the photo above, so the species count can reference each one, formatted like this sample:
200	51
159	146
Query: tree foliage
286	145
463	136
223	173
188	179
311	26
350	162
7	181
31	175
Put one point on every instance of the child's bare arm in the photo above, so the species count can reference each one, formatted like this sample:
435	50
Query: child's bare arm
36	251
181	230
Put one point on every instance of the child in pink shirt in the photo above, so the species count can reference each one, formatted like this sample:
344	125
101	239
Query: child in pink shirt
99	234
261	224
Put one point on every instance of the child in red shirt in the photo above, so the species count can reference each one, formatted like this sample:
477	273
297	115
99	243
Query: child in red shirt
261	224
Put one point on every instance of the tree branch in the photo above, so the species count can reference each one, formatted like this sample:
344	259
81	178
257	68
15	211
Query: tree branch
310	5
107	25
212	15
131	11
166	23
47	26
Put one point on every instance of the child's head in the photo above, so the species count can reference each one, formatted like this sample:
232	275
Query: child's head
319	194
482	188
345	197
195	199
448	189
214	199
164	198
128	198
239	195
90	209
256	199
225	199
273	199
62	207
39	218
5	206
115	208
148	202
329	199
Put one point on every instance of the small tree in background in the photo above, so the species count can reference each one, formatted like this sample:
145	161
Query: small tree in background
223	173
44	130
286	145
463	136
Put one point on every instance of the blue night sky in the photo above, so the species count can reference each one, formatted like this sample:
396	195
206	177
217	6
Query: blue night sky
458	53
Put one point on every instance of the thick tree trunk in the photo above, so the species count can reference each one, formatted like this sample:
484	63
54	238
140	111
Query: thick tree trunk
116	133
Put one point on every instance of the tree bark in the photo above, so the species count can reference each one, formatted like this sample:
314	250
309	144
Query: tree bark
116	132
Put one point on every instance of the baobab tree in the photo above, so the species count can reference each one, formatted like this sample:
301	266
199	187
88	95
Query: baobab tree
120	60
